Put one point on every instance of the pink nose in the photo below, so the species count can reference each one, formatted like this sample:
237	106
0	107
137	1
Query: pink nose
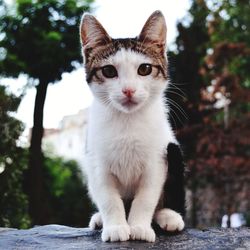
128	92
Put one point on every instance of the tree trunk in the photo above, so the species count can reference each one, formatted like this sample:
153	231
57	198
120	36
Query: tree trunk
35	185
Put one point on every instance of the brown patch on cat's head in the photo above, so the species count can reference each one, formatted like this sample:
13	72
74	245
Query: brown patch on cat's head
98	45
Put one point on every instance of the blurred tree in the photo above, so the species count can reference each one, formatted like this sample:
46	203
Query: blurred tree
228	63
213	59
183	94
68	199
227	73
185	63
13	161
40	39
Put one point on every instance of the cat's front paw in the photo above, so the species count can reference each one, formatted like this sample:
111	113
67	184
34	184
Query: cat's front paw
116	233
141	232
169	220
95	221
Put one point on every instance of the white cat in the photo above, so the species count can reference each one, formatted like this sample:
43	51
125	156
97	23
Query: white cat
128	132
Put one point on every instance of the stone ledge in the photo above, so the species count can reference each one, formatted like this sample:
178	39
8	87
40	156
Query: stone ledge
62	237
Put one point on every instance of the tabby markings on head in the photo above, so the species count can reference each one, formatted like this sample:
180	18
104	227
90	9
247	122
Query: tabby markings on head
98	45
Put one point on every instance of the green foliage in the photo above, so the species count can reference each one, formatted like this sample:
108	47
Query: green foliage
10	128
40	38
68	200
231	21
13	161
13	200
235	28
229	62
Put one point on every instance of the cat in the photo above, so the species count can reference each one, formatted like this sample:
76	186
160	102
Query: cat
132	155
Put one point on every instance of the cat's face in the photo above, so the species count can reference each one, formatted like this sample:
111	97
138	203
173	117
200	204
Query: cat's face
125	74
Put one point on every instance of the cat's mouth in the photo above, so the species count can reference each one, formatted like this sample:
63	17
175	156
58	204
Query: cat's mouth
129	103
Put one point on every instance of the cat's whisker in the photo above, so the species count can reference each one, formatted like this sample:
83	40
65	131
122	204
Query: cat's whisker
175	104
177	116
179	83
175	87
172	117
178	107
107	102
174	92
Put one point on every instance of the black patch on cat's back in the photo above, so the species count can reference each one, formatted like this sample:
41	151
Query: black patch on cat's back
174	187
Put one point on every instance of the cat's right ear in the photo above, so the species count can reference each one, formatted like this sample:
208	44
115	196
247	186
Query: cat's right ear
92	33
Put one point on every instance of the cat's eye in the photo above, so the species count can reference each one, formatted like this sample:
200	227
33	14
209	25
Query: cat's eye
144	69
109	71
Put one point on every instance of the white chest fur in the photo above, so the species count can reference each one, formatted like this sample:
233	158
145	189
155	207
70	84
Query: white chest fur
125	143
127	157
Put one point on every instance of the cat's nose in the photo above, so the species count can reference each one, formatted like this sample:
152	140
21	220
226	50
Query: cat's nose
128	92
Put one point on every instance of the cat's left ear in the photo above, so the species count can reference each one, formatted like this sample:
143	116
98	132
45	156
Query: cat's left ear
154	30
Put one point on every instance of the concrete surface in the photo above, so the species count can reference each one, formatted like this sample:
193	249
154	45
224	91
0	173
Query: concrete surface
62	237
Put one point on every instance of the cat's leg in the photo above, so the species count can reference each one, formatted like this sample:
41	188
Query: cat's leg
105	194
173	197
95	221
144	204
169	220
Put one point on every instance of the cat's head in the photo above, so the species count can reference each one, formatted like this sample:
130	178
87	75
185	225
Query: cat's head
125	74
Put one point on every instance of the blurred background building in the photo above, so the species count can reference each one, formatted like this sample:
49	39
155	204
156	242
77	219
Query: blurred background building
69	139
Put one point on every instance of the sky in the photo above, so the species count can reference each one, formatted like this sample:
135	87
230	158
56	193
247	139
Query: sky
121	18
